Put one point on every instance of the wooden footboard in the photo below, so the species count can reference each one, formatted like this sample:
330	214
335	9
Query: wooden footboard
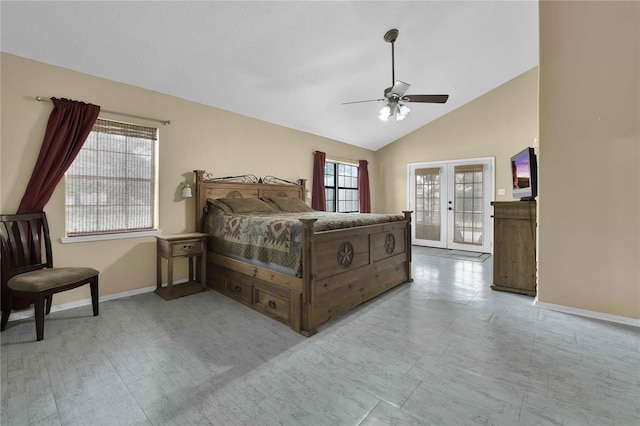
347	267
341	268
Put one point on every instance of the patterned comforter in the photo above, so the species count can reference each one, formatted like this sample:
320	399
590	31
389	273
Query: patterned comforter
277	237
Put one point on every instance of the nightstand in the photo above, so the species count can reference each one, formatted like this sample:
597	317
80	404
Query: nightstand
192	246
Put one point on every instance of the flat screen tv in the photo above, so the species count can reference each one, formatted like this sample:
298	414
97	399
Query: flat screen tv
524	174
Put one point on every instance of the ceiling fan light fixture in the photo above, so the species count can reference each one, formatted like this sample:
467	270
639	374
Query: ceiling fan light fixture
394	109
385	112
402	111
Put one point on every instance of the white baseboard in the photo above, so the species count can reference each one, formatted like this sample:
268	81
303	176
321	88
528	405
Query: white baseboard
586	313
28	313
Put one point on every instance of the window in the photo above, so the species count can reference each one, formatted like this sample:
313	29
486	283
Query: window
341	187
111	185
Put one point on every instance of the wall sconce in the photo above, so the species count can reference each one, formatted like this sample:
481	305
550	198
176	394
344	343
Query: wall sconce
186	190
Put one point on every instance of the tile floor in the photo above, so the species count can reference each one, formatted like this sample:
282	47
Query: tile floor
443	350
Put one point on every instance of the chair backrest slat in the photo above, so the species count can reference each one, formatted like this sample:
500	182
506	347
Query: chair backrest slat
36	249
25	245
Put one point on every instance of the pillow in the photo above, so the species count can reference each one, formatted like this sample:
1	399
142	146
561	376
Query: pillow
271	203
211	203
290	204
246	205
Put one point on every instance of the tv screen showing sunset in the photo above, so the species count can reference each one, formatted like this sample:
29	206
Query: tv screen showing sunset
520	168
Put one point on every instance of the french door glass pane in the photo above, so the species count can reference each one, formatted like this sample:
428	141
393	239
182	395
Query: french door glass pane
427	204
468	228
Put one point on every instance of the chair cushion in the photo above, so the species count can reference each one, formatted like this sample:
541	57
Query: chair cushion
46	279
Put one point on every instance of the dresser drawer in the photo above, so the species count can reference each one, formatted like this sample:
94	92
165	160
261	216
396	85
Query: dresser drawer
272	302
187	247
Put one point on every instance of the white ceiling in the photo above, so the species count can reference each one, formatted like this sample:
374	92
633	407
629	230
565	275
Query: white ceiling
288	63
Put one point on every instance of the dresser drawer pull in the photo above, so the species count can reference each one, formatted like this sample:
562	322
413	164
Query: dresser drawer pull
272	304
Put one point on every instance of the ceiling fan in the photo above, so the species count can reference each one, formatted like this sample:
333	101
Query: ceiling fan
395	96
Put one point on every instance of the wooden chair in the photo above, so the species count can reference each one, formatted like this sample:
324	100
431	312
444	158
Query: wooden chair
25	273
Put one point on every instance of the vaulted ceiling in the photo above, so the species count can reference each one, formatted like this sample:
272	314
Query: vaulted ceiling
288	63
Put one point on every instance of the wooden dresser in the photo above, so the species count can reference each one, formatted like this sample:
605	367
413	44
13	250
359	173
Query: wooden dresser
514	246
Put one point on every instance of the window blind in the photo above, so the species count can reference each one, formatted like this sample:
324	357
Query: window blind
110	187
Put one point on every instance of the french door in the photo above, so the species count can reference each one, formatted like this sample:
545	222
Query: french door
451	203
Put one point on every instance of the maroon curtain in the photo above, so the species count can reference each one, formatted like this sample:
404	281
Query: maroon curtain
364	194
69	125
318	196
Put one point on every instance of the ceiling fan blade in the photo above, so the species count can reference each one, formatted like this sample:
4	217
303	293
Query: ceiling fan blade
432	99
400	88
359	102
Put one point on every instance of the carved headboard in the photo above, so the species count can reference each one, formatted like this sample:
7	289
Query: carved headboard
245	186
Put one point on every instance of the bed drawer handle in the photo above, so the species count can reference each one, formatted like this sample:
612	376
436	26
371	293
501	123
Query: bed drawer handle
272	304
237	289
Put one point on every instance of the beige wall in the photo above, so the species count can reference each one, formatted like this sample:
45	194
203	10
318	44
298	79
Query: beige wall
497	124
589	226
199	137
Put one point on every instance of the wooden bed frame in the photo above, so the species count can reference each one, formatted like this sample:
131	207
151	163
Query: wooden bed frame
341	268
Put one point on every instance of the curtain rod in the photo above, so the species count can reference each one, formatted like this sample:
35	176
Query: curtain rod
334	159
165	122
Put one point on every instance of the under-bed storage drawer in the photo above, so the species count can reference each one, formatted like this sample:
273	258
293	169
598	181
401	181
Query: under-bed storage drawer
215	279
237	287
238	290
232	284
272	301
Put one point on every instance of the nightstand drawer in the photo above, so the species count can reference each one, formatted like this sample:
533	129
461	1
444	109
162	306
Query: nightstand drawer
187	247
